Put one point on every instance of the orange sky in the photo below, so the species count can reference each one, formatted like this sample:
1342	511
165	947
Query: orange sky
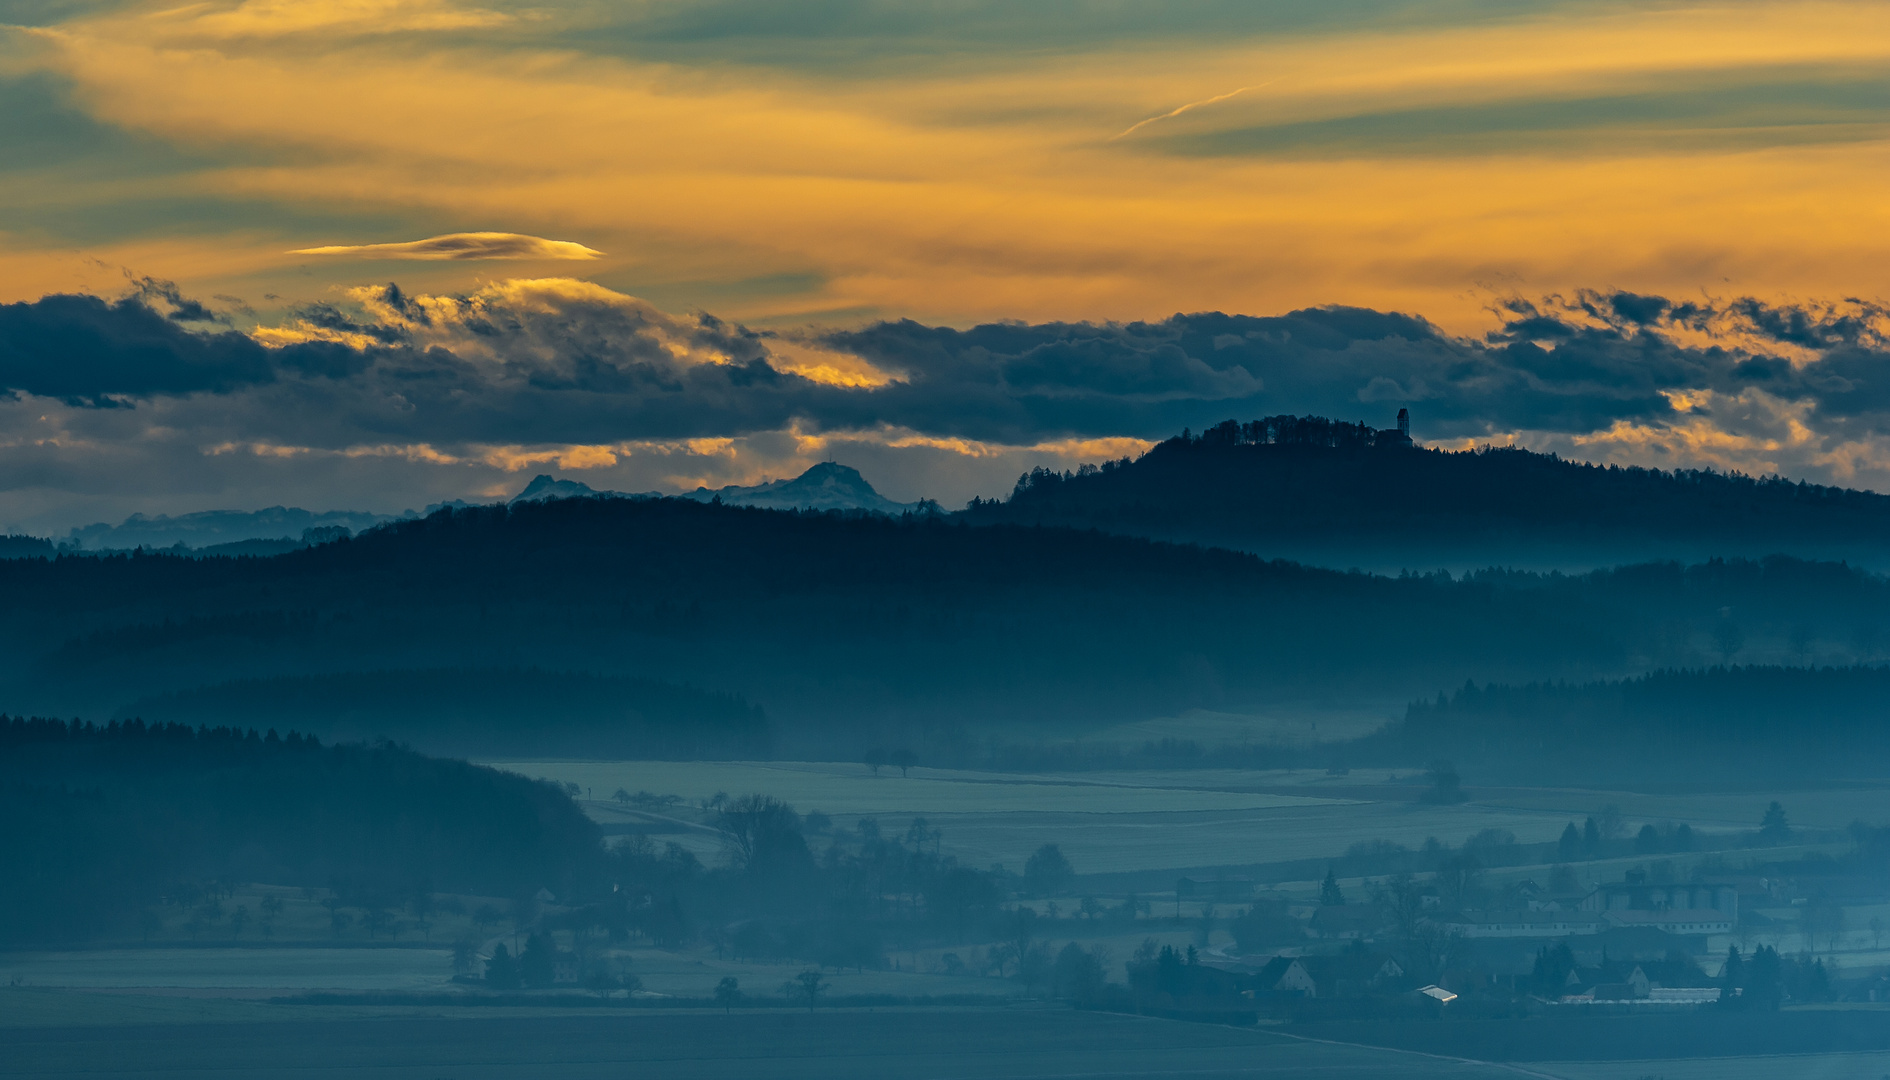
1421	165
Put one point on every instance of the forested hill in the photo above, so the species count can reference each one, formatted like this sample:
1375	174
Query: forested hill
1756	722
1339	494
103	820
843	625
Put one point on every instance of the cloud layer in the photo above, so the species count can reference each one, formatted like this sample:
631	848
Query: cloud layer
389	399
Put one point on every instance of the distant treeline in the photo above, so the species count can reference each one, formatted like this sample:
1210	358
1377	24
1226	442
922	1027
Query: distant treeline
14	546
1302	485
103	822
862	630
493	713
1757	721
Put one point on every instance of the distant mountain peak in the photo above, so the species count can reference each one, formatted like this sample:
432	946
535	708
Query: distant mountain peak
545	487
834	472
826	486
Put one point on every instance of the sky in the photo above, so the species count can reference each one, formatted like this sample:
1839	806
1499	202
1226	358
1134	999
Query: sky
372	254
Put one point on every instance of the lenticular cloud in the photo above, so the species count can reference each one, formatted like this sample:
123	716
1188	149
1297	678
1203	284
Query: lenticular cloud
462	246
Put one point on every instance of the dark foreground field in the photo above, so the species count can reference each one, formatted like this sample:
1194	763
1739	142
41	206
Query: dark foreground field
189	1039
827	1045
1701	1034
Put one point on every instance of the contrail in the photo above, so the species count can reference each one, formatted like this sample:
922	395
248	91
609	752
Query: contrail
1137	126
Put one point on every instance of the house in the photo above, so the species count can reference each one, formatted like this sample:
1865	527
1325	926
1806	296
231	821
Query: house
1677	979
1287	975
1608	982
1346	975
1346	922
1351	974
1677	971
1633	982
1876	988
564	970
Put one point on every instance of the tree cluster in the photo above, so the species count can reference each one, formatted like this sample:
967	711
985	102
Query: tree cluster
776	897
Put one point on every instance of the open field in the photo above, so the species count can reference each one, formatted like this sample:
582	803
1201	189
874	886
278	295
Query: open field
1294	726
1830	806
847	788
277	1042
1112	822
258	973
262	972
1816	808
1863	1066
1104	823
938	1044
278	969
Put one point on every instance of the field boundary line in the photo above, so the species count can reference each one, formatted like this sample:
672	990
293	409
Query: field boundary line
1420	1053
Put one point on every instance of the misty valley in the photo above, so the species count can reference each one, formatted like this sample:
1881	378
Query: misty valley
1095	775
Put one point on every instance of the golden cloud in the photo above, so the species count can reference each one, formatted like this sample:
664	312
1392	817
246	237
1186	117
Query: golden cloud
279	18
825	365
573	458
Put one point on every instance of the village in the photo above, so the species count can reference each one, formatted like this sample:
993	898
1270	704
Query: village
1800	933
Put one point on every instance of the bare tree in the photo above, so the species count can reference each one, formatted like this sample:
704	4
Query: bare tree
1610	825
808	986
753	826
1824	916
465	956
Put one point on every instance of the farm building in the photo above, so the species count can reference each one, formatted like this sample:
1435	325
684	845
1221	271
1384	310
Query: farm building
1720	898
1525	924
1685	922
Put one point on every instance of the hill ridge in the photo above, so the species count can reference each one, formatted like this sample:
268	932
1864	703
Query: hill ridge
1326	492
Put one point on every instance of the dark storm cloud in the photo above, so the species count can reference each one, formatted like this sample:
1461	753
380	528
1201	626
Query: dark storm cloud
1152	378
83	349
1566	365
570	363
